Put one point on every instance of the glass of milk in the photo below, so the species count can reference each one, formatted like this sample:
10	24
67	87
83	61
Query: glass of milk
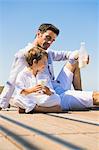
42	79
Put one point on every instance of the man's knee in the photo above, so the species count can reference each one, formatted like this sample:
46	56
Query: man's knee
72	67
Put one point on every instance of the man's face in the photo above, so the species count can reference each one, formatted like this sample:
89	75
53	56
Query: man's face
45	39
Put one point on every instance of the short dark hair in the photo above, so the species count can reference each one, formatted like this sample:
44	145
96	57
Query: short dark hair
46	26
35	53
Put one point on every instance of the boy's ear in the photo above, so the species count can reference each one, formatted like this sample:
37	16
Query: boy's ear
34	61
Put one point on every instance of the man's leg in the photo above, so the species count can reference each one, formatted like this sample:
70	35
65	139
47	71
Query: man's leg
6	95
76	75
8	90
40	109
70	74
78	100
53	109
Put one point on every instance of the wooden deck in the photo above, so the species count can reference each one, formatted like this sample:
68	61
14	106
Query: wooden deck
74	130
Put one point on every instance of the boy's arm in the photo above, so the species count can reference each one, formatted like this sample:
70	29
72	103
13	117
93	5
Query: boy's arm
31	90
21	85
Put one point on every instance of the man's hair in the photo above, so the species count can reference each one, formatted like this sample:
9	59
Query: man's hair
36	54
46	26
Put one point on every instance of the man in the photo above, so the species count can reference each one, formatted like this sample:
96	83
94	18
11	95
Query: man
45	36
34	91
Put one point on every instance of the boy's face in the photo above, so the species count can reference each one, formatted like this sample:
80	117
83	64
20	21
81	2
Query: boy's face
45	39
41	64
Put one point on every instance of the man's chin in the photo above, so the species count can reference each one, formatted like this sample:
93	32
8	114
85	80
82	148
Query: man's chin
46	46
43	47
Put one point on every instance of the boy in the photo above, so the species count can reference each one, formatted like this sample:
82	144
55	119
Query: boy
30	93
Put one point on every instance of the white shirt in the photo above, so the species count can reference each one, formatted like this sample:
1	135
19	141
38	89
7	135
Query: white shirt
52	56
25	80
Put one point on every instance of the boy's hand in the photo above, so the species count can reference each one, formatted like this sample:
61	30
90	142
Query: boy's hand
46	90
31	90
37	88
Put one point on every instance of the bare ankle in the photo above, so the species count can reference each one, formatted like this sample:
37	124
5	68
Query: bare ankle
95	97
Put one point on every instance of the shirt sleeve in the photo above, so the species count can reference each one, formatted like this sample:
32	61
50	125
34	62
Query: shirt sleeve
60	55
20	82
22	52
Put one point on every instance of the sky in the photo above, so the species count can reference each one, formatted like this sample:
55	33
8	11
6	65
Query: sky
78	20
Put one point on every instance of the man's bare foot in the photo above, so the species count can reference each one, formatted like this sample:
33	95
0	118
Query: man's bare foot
95	98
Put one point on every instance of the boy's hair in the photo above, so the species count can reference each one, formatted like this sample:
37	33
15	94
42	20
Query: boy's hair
46	26
35	53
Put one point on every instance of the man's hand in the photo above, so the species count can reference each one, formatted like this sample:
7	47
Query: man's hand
73	57
88	59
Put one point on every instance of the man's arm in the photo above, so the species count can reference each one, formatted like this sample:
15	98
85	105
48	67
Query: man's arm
60	55
72	56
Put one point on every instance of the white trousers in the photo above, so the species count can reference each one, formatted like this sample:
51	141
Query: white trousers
72	99
41	100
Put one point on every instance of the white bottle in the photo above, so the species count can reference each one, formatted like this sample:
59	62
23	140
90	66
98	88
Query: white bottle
83	55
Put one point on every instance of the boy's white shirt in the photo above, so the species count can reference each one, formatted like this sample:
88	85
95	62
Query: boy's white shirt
26	80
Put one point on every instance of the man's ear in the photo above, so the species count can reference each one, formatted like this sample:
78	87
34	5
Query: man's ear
39	34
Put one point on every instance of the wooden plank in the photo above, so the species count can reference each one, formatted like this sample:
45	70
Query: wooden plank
79	118
43	131
6	144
